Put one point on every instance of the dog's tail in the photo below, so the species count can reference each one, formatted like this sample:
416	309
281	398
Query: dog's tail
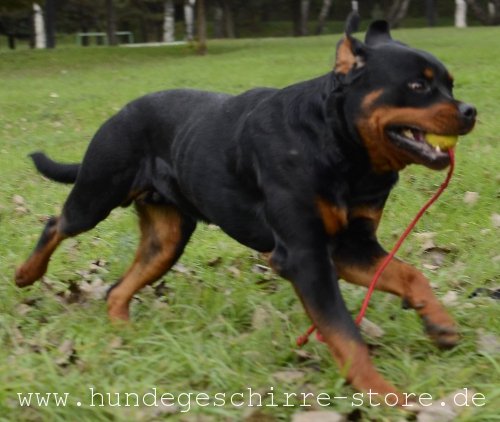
63	173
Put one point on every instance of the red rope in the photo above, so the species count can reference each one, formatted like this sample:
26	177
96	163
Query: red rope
305	338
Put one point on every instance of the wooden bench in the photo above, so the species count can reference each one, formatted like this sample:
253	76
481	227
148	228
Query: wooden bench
104	36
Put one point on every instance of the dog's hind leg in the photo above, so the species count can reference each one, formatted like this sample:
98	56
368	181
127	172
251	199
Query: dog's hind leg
164	234
90	202
36	265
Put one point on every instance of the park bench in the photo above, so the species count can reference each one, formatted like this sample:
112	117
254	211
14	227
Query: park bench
103	36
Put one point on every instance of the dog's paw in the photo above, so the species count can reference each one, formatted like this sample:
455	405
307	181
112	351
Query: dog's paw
445	336
23	277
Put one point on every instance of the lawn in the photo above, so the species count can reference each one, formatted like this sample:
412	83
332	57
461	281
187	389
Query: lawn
220	323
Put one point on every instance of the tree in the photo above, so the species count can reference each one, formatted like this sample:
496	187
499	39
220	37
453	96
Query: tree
169	22
50	23
304	16
300	14
201	22
189	18
460	13
489	17
228	19
111	22
397	12
323	15
218	20
39	26
430	12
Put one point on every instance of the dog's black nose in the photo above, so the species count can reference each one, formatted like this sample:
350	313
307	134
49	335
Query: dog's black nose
467	112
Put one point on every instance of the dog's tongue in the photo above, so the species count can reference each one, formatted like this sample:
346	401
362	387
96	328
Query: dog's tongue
441	141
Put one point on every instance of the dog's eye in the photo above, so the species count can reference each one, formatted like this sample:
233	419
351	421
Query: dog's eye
421	86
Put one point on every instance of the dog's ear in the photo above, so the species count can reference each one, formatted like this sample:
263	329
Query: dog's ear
350	51
378	33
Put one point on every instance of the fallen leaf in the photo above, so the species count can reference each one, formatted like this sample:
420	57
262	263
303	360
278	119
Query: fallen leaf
234	271
288	376
115	343
495	220
318	416
260	318
450	298
442	410
23	309
182	269
18	200
21	210
95	290
436	255
426	240
214	261
487	342
470	198
304	356
98	266
371	329
260	269
67	353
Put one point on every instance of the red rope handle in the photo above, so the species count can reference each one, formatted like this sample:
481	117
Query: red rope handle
305	338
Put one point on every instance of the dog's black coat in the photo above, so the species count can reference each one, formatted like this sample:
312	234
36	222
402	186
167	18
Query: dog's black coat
286	171
225	159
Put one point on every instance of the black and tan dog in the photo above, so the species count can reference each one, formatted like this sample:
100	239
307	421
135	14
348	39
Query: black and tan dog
302	173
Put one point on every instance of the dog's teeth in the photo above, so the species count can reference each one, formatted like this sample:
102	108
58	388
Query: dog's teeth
407	133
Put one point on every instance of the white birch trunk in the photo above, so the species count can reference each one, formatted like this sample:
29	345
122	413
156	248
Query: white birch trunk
323	14
460	14
189	18
169	22
40	40
491	10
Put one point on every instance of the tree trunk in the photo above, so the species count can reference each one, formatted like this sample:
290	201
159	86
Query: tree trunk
304	16
218	20
295	7
201	23
460	14
397	12
323	15
169	22
486	17
228	19
189	18
40	41
355	6
300	16
111	23
430	12
50	23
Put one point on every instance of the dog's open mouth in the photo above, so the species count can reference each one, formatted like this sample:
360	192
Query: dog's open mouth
425	148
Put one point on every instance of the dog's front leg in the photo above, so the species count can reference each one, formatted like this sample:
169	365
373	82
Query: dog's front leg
357	256
313	277
302	255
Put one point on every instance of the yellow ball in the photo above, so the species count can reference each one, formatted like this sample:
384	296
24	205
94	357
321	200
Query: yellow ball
441	141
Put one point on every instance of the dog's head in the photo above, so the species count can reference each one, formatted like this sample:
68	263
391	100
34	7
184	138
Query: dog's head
398	101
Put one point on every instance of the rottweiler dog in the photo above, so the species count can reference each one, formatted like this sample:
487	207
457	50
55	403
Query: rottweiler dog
300	173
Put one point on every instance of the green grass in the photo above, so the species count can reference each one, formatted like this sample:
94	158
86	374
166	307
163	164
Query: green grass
200	337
